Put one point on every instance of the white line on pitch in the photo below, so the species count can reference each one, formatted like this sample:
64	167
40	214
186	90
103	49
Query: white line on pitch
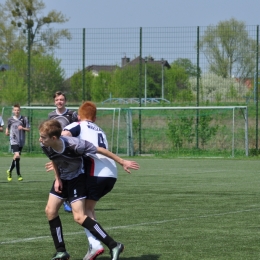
133	225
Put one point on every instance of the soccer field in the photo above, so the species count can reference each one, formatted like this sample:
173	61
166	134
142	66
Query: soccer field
169	209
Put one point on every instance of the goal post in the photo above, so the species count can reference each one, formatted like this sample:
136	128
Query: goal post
199	109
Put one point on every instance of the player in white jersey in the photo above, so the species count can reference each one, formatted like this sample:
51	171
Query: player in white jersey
17	125
101	170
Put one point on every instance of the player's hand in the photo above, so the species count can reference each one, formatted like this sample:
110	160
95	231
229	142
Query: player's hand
130	165
66	133
49	166
58	185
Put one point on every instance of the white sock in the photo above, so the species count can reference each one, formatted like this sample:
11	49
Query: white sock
92	239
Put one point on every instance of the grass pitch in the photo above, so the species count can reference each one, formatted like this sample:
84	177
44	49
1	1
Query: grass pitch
169	209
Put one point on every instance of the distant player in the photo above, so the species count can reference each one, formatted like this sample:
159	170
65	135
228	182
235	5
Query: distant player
64	116
101	170
17	126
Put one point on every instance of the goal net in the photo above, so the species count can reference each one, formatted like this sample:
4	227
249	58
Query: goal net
176	131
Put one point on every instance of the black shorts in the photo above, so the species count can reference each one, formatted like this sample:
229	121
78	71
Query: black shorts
73	190
16	148
97	187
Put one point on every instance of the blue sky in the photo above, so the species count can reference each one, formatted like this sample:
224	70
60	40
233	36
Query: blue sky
153	13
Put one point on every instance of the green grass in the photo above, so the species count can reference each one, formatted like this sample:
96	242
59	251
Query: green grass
169	209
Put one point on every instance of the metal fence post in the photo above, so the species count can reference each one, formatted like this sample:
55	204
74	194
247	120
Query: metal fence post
140	92
83	65
198	86
256	90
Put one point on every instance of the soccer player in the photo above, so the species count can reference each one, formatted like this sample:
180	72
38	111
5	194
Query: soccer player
64	116
102	171
1	124
67	154
17	126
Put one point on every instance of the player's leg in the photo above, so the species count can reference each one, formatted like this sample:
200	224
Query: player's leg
54	203
14	149
77	191
95	247
17	164
97	187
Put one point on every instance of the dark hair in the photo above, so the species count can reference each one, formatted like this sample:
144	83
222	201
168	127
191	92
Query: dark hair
16	105
59	93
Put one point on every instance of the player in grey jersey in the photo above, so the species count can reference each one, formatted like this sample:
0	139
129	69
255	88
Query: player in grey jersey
65	117
67	155
17	126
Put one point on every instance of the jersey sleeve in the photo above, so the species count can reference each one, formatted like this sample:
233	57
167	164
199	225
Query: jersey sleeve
26	122
85	148
75	117
74	129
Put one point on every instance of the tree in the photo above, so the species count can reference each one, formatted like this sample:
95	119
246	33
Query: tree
74	86
101	87
229	49
177	84
10	39
189	67
46	76
27	15
13	88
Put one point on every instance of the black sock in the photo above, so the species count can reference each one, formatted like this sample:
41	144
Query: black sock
57	235
17	165
99	232
12	166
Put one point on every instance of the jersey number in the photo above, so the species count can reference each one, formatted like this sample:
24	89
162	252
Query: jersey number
101	141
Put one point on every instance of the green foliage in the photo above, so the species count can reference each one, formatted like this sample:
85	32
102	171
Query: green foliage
46	75
190	68
13	88
176	80
229	49
126	82
75	84
206	131
27	15
101	86
180	130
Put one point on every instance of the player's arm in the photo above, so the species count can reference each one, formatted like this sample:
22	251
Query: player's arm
7	131
58	183
124	163
23	128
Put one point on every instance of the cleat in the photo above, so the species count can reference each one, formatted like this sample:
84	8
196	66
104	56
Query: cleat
20	178
116	251
67	207
61	256
94	252
9	175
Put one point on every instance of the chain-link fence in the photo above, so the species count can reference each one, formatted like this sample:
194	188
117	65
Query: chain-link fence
174	66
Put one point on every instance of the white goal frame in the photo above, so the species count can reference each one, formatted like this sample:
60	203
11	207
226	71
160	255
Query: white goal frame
233	108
